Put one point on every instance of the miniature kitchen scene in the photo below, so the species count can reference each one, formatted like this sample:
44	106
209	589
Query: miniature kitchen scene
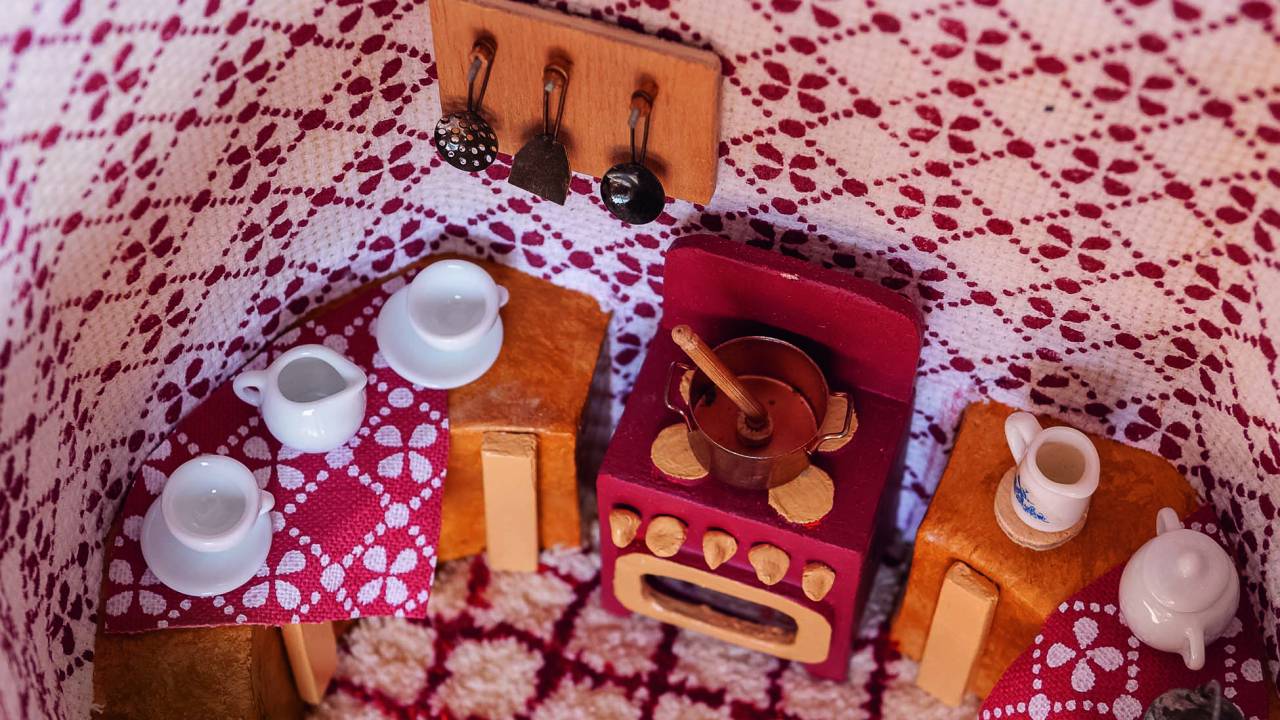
634	359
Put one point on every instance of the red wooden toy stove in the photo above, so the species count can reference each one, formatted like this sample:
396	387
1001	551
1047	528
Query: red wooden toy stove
866	340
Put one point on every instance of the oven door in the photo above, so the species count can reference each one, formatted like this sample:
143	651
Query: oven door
725	609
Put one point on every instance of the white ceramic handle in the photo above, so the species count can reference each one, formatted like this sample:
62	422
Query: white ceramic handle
248	386
1020	429
1166	520
1193	651
503	296
265	502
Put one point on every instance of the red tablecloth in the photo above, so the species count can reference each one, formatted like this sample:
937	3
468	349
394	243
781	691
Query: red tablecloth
1086	663
355	529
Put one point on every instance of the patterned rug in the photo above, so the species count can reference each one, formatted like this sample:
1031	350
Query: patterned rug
500	645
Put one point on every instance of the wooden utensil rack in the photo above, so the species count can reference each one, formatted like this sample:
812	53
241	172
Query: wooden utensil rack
606	65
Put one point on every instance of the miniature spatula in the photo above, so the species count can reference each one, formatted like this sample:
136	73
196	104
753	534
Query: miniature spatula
754	425
542	165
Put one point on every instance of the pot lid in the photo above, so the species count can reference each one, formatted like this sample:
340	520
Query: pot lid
1186	570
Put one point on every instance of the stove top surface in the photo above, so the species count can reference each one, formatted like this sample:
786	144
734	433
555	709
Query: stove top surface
859	470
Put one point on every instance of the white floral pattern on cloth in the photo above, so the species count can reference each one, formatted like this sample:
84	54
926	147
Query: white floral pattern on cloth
1086	663
354	529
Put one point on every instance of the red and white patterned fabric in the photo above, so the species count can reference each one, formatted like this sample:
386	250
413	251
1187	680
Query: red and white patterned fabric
354	530
1082	198
1086	663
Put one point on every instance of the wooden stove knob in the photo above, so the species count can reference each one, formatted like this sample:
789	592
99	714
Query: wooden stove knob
623	524
817	580
717	547
770	561
665	535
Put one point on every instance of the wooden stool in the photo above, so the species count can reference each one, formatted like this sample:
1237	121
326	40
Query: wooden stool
960	531
513	447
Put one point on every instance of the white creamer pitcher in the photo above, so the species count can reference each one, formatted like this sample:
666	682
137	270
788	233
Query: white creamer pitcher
312	398
1058	471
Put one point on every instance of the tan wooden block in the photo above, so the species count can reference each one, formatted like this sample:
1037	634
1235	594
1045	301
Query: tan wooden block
235	671
966	605
539	385
511	500
960	525
313	656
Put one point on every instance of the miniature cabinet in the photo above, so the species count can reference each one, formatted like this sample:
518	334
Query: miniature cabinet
536	392
960	529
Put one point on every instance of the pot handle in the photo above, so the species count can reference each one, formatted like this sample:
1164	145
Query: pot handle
848	422
683	407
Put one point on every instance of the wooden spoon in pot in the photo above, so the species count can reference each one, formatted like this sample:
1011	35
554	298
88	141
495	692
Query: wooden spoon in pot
754	426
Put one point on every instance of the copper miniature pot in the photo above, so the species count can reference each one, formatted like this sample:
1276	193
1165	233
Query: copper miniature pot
793	389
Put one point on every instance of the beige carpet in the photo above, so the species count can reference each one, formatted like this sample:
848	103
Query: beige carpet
505	645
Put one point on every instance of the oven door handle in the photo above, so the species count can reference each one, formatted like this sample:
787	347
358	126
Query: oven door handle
683	408
848	422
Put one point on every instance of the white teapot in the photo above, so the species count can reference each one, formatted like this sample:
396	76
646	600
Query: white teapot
1179	591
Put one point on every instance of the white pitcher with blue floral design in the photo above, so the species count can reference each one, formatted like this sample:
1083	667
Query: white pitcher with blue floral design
1057	472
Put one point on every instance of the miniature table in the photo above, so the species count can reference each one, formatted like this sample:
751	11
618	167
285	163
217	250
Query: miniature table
514	431
960	540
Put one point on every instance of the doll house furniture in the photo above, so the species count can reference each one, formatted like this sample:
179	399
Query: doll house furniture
974	599
866	339
513	455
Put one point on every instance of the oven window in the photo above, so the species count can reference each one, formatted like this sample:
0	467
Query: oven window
717	608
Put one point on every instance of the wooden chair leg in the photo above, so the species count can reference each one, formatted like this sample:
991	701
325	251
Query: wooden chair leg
966	606
510	465
313	655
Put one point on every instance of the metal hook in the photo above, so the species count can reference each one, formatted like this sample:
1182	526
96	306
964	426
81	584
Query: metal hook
481	56
641	106
554	78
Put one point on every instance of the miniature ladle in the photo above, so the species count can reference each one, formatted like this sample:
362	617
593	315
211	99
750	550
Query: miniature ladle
754	426
464	139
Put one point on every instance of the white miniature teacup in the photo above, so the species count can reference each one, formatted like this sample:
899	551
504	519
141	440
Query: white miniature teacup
312	398
453	303
211	501
1057	472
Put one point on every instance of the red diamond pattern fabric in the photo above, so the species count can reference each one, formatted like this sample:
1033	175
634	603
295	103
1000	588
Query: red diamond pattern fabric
1082	198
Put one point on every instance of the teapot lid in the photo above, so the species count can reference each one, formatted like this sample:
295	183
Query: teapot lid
1186	570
